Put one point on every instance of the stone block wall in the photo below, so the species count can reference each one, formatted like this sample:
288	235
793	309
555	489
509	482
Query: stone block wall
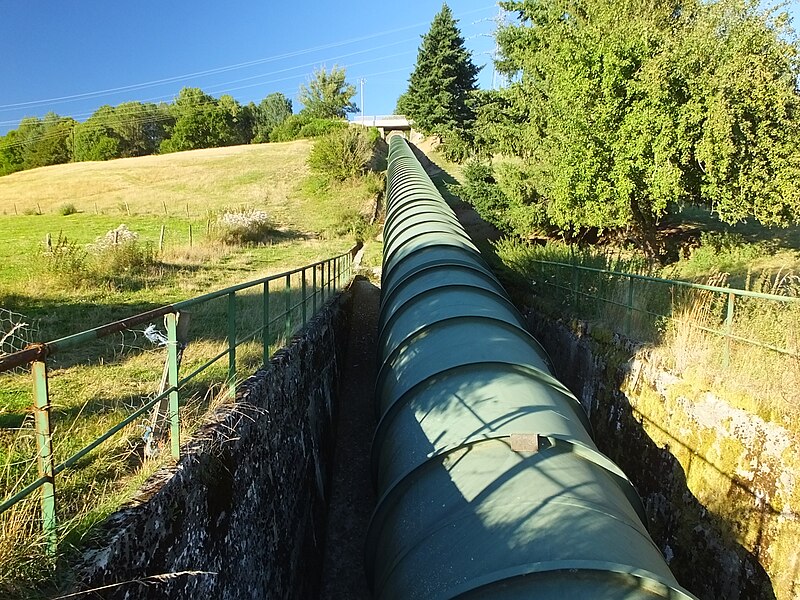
242	514
720	485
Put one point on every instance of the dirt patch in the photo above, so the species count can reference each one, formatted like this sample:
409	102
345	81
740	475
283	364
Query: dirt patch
352	497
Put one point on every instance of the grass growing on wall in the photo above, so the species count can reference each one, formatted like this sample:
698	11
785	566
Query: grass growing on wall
671	319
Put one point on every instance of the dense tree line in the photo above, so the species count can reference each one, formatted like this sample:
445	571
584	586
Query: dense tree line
619	112
194	120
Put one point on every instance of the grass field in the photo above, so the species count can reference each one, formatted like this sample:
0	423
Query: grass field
95	386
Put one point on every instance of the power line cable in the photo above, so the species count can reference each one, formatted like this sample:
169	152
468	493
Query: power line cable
213	71
221	90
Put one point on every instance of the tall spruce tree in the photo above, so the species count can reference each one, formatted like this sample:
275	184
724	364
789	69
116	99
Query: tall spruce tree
438	98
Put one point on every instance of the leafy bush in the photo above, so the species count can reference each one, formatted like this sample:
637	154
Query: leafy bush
480	189
243	226
119	255
342	154
67	209
301	125
504	195
290	129
720	252
117	258
320	127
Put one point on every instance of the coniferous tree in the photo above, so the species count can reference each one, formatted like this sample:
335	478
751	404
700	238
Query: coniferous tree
439	95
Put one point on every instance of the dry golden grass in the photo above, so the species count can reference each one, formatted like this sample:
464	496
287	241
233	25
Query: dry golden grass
202	180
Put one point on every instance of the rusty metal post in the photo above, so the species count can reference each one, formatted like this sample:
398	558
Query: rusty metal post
44	447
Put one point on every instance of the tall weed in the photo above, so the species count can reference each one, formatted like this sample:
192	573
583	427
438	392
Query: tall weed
117	259
242	226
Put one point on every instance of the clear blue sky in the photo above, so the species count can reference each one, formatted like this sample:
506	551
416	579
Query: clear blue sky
147	50
82	49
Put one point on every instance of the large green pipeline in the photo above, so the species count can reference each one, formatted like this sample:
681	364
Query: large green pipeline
489	483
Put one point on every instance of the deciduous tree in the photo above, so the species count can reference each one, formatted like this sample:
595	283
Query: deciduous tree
622	111
270	112
327	95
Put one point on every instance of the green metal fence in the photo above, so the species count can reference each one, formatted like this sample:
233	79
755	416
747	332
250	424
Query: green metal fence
590	293
300	292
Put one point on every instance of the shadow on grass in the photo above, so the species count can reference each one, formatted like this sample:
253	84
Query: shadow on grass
700	219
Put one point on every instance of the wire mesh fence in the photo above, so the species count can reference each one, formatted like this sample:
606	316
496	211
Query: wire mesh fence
16	331
746	340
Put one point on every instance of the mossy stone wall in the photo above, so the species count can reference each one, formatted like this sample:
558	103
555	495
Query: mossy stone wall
721	486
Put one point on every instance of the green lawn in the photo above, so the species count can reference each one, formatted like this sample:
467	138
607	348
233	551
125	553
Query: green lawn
95	386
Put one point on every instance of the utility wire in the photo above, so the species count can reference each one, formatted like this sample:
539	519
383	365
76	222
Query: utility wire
217	89
214	71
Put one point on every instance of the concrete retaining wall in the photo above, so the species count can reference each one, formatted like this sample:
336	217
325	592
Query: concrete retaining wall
242	514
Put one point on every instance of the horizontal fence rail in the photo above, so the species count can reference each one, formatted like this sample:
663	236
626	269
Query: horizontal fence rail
584	289
304	290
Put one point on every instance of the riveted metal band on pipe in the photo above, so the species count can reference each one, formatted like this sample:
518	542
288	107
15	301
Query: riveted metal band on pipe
442	257
489	482
410	311
405	277
432	248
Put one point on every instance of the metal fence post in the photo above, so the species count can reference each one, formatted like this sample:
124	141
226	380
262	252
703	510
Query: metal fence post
232	343
335	273
265	322
314	287
726	354
170	320
629	313
288	306
44	446
304	291
324	280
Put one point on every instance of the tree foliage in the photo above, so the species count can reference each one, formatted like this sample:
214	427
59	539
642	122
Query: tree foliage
194	120
440	91
36	143
130	129
327	95
273	110
343	153
622	111
202	121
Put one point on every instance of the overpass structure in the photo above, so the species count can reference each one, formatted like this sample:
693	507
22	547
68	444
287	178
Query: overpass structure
388	125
